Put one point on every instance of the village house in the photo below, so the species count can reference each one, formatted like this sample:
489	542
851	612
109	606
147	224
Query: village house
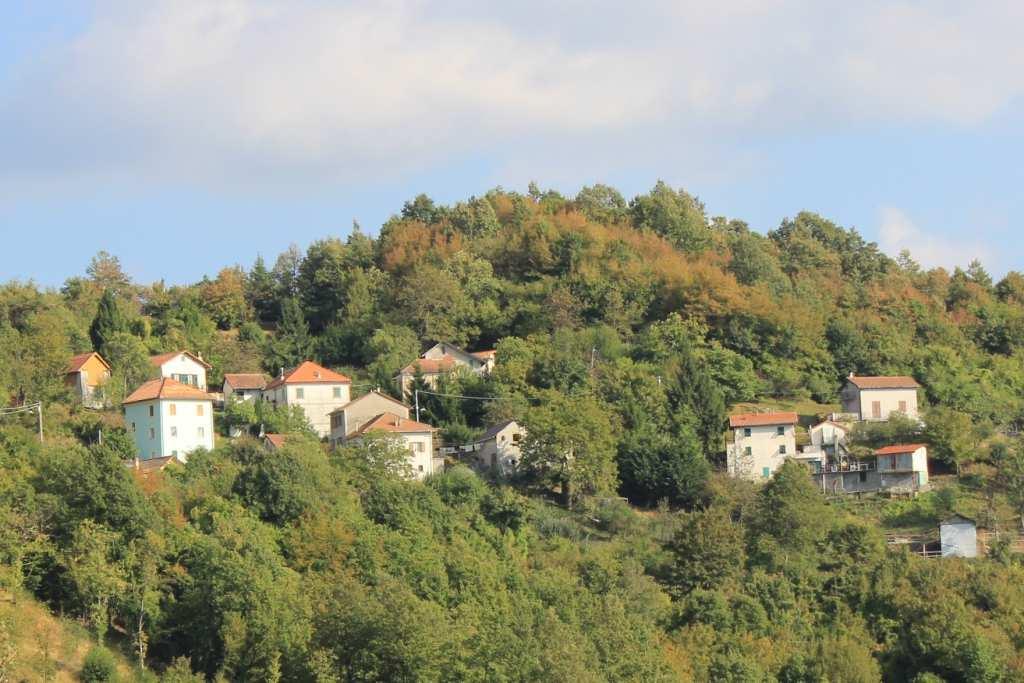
315	389
417	437
346	420
761	443
274	442
876	398
899	469
442	359
84	375
499	447
243	386
182	366
168	418
828	444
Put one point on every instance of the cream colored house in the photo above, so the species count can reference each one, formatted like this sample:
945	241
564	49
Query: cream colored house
761	443
242	386
417	437
876	398
500	446
346	420
183	367
168	418
442	359
315	389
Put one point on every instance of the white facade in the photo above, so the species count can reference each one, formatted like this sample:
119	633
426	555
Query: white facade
758	450
353	415
501	447
959	537
317	400
878	404
420	445
184	368
170	427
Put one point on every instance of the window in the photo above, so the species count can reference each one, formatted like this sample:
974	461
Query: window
781	431
152	433
903	407
746	432
174	431
516	437
418	447
782	449
133	427
747	451
300	393
421	468
201	431
876	409
766	472
151	411
337	392
173	409
199	410
863	476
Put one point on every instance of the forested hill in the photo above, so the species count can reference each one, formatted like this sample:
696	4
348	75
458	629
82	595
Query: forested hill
624	332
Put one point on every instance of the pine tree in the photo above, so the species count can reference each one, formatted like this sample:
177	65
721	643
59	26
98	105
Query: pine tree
697	397
108	321
292	344
259	291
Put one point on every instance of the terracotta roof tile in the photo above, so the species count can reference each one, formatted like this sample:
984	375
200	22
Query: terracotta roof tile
275	440
389	422
483	355
76	362
245	380
166	388
309	372
429	366
900	448
162	358
762	419
894	382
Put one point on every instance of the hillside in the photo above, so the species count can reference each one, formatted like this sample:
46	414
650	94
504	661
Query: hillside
625	332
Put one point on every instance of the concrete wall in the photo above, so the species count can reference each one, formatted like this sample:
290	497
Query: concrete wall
317	400
863	402
768	450
357	413
184	365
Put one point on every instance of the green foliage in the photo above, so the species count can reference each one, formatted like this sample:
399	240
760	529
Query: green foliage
98	667
108	321
292	343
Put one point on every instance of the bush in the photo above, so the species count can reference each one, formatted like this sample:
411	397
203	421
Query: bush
99	666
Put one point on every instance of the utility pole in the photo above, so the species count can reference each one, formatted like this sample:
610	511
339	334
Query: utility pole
416	395
39	412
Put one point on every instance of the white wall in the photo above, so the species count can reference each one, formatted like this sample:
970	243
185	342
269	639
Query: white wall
356	413
177	434
888	403
318	400
766	451
184	365
503	450
421	453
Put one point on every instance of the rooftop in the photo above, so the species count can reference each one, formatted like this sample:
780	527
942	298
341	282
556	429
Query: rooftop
245	380
76	362
166	388
763	419
894	382
309	372
162	358
899	448
389	422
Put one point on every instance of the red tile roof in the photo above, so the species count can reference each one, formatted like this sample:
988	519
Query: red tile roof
894	382
245	380
483	355
76	362
309	372
166	388
429	366
762	419
162	358
389	422
275	440
901	448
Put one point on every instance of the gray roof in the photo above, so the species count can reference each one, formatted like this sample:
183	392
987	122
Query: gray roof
493	431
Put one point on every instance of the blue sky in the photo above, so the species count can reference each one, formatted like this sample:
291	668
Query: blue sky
185	136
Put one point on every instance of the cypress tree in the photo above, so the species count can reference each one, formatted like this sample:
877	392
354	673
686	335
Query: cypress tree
108	321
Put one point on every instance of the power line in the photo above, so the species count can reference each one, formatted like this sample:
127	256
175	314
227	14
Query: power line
36	407
417	392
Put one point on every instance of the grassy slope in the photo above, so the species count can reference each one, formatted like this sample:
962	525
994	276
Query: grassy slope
39	646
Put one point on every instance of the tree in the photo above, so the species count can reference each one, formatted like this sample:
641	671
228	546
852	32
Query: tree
677	216
707	551
98	579
789	518
109	320
696	396
105	272
225	300
951	435
260	292
292	343
569	443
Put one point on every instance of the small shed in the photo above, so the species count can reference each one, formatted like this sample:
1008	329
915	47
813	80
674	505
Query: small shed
959	537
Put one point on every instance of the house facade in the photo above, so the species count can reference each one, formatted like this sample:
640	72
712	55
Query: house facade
243	386
349	418
183	367
499	448
876	398
169	419
761	443
315	389
898	469
441	359
417	437
84	375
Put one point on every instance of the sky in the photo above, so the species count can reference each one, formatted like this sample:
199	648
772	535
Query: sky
188	135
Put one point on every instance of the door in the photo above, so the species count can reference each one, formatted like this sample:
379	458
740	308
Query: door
876	409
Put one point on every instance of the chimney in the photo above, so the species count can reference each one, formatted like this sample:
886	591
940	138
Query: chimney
281	373
199	355
851	374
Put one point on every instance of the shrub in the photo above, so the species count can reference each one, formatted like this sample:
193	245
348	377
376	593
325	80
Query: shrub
99	666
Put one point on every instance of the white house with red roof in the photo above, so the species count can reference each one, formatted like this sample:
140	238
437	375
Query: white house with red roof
441	359
877	398
183	366
761	443
315	389
903	467
417	437
168	418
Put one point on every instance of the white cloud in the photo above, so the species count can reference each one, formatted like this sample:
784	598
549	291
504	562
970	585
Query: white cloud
897	232
312	91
